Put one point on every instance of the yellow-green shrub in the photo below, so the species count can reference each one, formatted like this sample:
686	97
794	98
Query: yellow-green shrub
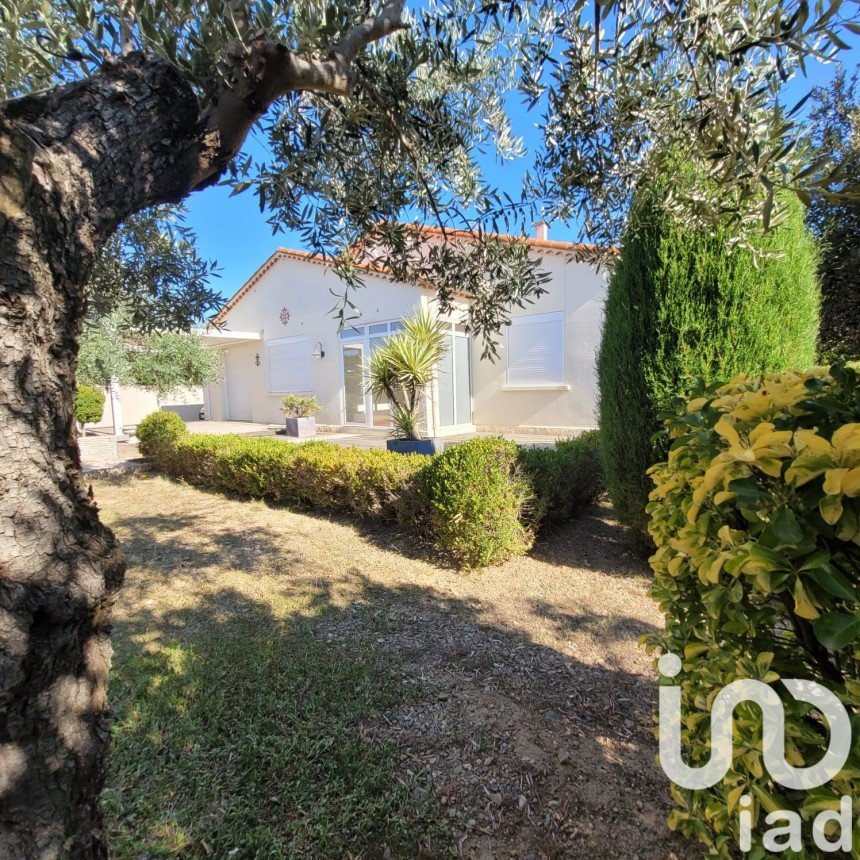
756	518
89	404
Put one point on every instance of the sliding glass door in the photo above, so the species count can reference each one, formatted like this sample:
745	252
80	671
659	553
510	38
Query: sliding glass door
355	405
454	385
360	406
453	381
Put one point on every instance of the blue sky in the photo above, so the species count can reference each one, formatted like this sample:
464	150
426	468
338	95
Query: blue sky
233	231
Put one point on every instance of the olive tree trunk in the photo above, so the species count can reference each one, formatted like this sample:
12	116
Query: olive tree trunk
73	164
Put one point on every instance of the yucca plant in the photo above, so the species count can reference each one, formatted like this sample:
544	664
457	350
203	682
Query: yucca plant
402	368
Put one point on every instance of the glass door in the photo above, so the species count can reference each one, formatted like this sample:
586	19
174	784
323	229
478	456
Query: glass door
357	343
355	406
462	380
454	383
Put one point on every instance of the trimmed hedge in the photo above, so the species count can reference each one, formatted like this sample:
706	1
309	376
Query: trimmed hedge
681	306
312	474
563	479
756	518
474	496
478	502
159	430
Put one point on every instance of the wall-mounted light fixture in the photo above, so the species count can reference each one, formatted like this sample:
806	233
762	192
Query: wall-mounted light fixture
318	351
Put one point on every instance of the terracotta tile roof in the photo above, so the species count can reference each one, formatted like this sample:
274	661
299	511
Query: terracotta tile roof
543	244
572	249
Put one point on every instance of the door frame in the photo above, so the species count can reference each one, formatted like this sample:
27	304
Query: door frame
468	427
361	344
361	336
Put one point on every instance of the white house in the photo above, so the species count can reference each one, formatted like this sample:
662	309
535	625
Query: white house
279	335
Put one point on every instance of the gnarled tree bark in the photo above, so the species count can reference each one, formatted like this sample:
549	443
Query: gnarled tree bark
75	162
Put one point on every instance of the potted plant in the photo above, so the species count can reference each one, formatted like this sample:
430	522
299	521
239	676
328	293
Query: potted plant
401	369
299	411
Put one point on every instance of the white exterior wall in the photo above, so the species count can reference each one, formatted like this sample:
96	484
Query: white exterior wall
578	291
136	403
305	289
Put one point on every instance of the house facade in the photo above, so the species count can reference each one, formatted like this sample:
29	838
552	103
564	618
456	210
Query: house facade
279	335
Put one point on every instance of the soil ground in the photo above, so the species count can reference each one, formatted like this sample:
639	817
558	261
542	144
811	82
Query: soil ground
529	724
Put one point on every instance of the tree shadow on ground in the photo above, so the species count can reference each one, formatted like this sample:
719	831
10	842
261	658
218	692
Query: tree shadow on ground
591	540
398	723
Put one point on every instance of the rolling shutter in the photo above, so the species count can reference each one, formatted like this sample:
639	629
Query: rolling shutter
535	349
289	365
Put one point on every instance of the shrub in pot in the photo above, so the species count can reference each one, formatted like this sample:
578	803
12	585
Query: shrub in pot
401	369
299	412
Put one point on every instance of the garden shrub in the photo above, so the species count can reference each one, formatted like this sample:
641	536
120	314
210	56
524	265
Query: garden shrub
684	305
313	474
756	518
563	479
478	502
474	496
159	429
89	404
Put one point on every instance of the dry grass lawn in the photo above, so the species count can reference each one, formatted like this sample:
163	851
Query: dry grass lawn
292	685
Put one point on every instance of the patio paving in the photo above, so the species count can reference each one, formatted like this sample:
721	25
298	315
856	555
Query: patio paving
360	438
128	455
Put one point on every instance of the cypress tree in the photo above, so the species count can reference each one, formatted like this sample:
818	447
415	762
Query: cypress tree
682	305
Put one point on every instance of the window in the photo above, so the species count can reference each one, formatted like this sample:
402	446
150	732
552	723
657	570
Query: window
289	365
535	350
359	332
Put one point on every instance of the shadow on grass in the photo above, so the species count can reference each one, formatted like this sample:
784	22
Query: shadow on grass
157	543
241	740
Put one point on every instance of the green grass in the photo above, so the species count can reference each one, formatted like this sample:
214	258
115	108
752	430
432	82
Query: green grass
243	743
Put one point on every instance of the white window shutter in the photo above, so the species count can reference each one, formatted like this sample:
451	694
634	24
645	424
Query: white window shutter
535	348
289	365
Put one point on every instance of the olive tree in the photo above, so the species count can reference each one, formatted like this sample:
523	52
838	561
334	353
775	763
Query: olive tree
635	87
164	362
374	116
113	108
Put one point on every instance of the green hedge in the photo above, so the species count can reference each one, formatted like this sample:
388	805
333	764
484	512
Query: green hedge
563	479
159	430
474	497
682	306
478	502
756	519
363	483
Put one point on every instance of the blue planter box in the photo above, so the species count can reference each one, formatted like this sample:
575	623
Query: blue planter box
415	446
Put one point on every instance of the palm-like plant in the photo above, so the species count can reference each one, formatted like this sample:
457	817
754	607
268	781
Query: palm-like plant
402	368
